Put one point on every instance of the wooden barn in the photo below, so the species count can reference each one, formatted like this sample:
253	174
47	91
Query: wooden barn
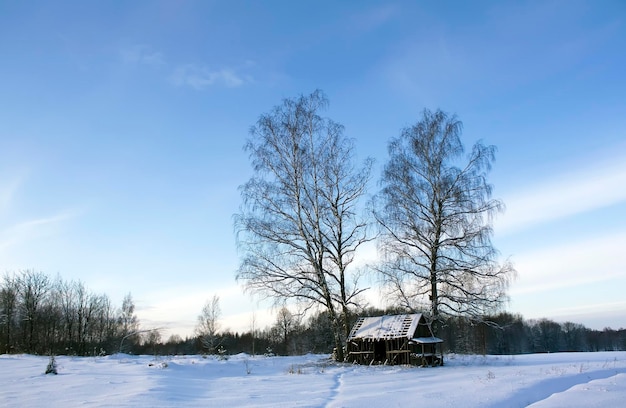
397	339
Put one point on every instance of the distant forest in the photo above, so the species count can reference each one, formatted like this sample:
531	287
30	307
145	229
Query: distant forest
40	315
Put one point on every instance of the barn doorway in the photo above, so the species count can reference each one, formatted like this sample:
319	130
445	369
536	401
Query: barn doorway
380	353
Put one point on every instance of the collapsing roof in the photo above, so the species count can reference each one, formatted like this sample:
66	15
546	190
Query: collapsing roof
385	327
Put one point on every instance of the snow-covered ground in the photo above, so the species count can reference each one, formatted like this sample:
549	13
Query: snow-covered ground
539	380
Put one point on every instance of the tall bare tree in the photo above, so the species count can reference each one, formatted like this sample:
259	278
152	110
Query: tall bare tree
208	324
299	228
286	324
128	324
65	295
34	287
9	305
434	212
105	323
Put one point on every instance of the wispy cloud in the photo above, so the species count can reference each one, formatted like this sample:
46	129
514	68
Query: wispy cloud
178	307
142	54
8	190
373	18
196	76
19	230
26	231
572	264
38	222
592	308
200	77
569	194
596	315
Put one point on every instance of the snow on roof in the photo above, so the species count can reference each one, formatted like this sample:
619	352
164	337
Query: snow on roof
427	340
385	327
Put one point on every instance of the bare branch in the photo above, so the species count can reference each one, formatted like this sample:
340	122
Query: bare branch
298	226
434	213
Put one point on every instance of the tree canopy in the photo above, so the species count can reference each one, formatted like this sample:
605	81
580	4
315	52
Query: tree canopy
434	212
299	226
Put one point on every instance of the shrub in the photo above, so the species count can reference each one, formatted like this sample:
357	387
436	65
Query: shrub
52	366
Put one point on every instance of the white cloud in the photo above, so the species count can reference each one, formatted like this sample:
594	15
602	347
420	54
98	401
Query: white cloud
569	194
177	308
367	254
592	308
595	315
374	18
200	77
593	260
22	233
196	76
29	230
142	54
7	194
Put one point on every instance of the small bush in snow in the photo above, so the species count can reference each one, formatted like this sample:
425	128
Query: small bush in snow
221	353
52	366
295	370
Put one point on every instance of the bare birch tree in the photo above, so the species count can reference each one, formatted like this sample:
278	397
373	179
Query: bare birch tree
208	324
128	323
34	287
435	212
9	309
298	227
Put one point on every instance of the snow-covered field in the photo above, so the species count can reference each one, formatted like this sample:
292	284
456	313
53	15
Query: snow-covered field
538	380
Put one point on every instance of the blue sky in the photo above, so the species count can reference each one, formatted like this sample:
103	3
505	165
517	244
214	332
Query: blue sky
122	126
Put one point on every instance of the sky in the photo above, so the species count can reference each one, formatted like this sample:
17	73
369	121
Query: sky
122	126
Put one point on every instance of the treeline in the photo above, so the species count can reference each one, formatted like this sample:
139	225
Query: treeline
504	333
508	333
289	335
43	315
40	315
